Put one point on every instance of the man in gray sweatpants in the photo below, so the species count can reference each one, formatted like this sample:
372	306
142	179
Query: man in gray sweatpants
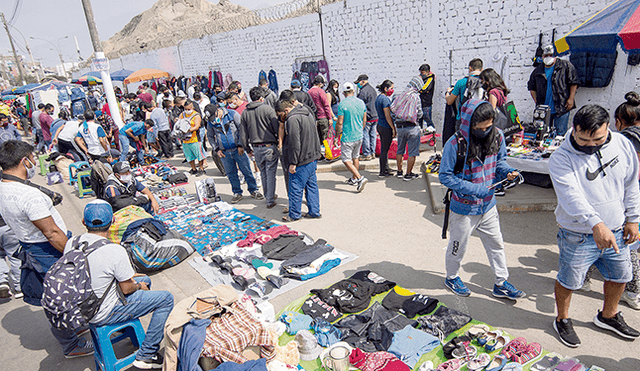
9	266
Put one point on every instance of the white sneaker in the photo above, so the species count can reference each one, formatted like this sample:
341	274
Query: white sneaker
430	130
360	184
632	300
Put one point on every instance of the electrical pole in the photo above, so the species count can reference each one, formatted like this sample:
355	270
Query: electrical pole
104	73
15	55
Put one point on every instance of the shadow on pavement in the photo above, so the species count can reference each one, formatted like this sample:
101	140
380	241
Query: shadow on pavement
32	327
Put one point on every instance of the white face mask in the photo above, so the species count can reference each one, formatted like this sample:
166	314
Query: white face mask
31	171
548	61
232	105
188	112
125	178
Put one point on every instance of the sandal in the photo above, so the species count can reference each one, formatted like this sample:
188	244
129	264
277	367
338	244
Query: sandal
477	331
496	343
479	362
450	365
465	351
491	335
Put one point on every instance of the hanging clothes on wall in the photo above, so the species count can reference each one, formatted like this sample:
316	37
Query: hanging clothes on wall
228	79
261	75
219	79
323	69
273	81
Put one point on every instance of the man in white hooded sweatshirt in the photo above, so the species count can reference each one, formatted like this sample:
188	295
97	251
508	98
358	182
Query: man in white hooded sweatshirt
595	175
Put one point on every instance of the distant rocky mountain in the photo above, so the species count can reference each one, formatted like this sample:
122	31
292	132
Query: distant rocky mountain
169	21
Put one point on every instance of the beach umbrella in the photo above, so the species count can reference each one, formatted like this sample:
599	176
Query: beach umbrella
7	92
95	74
618	23
9	97
145	74
87	80
120	75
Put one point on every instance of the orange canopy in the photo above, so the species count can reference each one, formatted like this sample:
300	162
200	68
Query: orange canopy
145	74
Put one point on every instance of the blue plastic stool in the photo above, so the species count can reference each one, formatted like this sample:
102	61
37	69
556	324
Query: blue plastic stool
76	166
104	354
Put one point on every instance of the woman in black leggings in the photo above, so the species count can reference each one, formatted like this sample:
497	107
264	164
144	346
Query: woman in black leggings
386	128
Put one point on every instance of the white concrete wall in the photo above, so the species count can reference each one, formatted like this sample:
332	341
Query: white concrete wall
389	39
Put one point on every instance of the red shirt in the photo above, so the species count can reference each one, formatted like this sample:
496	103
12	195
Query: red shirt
45	123
241	108
319	97
146	97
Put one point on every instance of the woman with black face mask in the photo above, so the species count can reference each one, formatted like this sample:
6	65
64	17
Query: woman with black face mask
495	90
473	205
334	95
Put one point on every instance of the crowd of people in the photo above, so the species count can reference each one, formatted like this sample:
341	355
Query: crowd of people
598	210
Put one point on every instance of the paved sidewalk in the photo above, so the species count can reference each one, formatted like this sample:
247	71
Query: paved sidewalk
392	227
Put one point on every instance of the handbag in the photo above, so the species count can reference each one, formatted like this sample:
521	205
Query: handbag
507	119
331	145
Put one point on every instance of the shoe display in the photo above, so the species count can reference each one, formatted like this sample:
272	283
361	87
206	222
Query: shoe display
617	325
465	351
479	362
478	331
451	365
360	184
497	343
257	195
457	286
497	363
507	291
490	335
513	347
632	300
530	352
84	348
236	198
567	334
148	364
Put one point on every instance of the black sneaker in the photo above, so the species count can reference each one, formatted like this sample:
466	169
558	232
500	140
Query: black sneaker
154	363
499	192
193	172
568	336
385	174
617	325
84	348
410	176
399	174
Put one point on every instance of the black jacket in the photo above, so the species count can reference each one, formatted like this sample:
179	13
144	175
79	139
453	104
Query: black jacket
426	92
368	95
258	124
301	137
564	76
304	98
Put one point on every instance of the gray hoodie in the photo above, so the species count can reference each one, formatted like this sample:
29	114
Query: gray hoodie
596	188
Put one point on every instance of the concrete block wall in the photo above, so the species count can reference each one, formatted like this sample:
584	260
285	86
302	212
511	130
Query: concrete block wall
389	39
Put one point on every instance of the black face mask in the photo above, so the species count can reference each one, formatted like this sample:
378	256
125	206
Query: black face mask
589	150
482	134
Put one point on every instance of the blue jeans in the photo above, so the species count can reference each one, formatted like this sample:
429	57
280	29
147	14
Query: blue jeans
141	303
578	251
426	117
233	161
304	181
267	160
561	124
369	139
125	143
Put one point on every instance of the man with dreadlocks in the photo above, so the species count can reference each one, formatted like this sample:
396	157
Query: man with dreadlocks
473	204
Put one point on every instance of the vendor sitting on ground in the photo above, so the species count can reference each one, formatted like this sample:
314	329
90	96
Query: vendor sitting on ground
121	188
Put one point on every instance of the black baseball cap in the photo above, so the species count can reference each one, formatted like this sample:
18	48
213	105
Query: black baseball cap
362	77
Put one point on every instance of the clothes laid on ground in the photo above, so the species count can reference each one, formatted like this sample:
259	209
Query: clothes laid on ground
232	332
255	365
296	322
307	256
408	303
317	308
443	322
193	334
284	247
376	361
372	329
315	267
262	237
325	333
354	294
409	344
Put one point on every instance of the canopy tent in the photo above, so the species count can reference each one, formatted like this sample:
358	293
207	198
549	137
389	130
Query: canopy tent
53	84
145	74
24	89
95	74
120	75
9	97
618	23
593	44
87	80
7	92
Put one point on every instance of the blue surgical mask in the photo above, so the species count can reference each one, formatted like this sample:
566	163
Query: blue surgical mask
359	86
222	104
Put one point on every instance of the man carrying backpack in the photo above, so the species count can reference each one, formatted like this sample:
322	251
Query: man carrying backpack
468	87
112	276
472	160
39	228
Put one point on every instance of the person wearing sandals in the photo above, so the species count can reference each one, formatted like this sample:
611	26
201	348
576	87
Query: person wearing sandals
301	152
595	175
473	204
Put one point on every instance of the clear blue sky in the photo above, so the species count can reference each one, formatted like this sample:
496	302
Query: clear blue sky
54	19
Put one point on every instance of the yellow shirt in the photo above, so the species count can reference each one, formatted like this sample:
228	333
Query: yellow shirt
192	121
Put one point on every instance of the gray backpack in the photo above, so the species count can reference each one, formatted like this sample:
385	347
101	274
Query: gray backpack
68	299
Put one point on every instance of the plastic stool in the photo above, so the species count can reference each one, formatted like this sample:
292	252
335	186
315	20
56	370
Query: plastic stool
77	166
44	169
104	355
81	188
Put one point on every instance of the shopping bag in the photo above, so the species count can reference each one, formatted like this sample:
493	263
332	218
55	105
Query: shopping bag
331	146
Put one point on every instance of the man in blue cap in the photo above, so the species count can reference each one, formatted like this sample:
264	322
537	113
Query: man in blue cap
111	262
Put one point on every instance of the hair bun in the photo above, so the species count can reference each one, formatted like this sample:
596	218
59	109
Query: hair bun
632	98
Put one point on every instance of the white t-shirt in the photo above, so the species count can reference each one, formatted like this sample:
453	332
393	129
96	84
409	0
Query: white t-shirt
21	204
69	131
106	263
91	136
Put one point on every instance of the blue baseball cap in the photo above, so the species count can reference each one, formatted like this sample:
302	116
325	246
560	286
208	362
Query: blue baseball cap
98	214
98	113
295	83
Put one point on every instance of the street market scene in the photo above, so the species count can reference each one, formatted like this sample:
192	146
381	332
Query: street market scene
320	185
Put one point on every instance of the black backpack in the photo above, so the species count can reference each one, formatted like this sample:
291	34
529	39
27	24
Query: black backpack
68	298
474	89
